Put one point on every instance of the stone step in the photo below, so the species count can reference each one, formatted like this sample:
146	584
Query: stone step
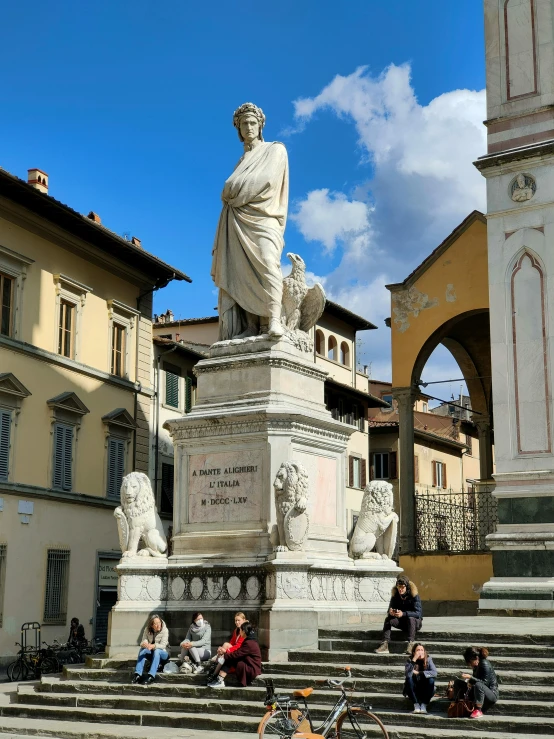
283	683
226	701
489	725
433	647
322	670
53	729
481	639
443	661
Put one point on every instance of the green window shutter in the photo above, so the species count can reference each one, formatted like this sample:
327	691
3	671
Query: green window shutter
116	466
171	389
188	394
63	457
5	432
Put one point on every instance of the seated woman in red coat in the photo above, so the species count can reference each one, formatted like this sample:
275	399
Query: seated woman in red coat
247	660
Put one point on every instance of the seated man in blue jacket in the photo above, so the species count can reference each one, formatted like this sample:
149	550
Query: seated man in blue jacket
405	613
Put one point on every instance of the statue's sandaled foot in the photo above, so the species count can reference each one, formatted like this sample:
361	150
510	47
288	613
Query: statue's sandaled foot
248	333
275	328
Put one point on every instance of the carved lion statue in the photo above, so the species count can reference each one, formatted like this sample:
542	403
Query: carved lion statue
291	502
137	518
377	525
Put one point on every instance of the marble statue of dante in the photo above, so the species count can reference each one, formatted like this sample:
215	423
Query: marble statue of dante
246	265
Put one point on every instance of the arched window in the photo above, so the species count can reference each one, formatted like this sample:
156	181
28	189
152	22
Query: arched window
345	354
332	348
319	342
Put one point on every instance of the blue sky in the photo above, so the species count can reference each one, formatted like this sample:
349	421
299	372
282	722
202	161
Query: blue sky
128	107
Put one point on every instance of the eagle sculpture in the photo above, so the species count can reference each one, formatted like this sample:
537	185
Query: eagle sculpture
302	305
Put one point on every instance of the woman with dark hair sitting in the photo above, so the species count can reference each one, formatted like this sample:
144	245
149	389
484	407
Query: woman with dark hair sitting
421	672
483	681
154	646
247	660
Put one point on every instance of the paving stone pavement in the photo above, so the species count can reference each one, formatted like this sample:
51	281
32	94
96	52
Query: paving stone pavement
97	701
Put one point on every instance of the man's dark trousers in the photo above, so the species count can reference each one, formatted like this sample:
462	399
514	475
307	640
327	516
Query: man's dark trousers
409	625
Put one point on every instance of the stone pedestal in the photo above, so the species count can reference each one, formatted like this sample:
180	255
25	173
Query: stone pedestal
260	403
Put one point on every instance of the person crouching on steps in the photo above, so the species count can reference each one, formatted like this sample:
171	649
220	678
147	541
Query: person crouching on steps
405	613
155	647
196	647
247	660
419	685
483	681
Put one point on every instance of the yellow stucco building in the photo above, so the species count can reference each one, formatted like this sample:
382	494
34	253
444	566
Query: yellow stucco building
75	404
445	300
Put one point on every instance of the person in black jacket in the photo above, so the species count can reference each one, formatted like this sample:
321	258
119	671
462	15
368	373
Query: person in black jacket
419	685
405	613
76	633
483	681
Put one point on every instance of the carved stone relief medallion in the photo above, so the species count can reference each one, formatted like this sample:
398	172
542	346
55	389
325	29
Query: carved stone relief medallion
522	187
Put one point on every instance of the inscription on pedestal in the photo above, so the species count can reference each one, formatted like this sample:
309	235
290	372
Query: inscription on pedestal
225	487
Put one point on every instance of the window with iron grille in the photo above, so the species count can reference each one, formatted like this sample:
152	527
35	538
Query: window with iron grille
6	304
62	477
5	432
116	466
57	581
166	502
3	557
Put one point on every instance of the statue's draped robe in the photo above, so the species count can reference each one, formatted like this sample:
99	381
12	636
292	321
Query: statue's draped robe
246	265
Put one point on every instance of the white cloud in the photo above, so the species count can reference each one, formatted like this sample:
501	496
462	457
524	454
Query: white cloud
422	184
331	217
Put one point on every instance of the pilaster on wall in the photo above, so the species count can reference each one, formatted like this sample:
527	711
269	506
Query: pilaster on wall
483	426
405	397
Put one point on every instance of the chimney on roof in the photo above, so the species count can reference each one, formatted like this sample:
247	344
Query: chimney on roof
38	179
94	217
136	242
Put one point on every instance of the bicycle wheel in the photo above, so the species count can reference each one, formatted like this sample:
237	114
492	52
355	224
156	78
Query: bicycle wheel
49	665
17	670
281	725
359	724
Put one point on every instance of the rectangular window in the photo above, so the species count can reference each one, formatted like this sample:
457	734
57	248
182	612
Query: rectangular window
57	581
356	472
66	333
387	399
62	477
5	432
116	466
381	465
439	475
6	304
166	503
469	444
3	557
172	377
118	350
188	395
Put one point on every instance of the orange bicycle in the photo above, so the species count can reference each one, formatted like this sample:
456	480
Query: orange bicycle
288	716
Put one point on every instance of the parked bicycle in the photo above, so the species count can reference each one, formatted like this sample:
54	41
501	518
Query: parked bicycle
288	716
32	663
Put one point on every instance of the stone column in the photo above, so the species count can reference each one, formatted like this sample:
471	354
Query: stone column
483	425
405	397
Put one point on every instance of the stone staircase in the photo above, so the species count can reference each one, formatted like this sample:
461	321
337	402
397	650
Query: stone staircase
100	695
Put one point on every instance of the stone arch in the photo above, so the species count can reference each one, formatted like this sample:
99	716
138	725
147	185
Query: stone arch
345	354
320	342
332	348
467	338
